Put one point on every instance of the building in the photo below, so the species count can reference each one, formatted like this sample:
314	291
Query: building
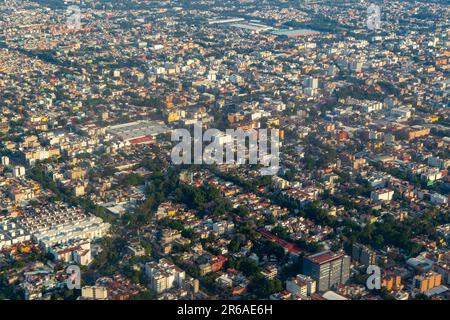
391	282
427	281
64	231
438	199
417	132
164	275
331	295
312	83
5	161
382	195
311	86
401	112
94	293
204	269
280	183
371	106
363	255
21	193
136	250
222	227
11	233
270	272
39	154
138	131
327	269
439	163
295	33
19	171
301	285
78	251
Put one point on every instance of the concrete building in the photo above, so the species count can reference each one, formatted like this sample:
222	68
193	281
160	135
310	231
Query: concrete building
94	293
5	161
382	195
164	275
427	281
363	254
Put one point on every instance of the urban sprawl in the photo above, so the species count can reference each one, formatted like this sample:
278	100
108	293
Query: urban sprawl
92	91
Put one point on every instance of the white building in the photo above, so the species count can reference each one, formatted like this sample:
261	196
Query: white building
372	106
19	171
94	293
280	183
431	174
5	161
438	199
222	227
77	251
164	275
401	112
225	281
301	285
382	195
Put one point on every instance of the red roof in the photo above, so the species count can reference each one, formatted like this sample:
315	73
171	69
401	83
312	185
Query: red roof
142	140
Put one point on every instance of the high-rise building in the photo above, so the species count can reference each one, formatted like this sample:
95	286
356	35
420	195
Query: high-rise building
427	281
327	268
363	254
301	285
19	171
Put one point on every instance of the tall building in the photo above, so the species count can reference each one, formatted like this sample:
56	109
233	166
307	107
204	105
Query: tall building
391	282
363	254
5	161
19	171
94	293
311	86
427	281
312	83
327	268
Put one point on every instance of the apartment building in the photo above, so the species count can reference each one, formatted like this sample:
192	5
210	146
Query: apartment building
301	285
363	254
427	281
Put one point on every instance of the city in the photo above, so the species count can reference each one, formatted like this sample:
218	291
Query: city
312	161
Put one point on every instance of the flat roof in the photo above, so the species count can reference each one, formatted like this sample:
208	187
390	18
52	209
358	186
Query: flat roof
296	32
251	26
323	257
137	129
436	290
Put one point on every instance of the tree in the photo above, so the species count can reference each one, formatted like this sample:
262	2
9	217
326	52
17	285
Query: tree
145	295
262	287
235	244
132	179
